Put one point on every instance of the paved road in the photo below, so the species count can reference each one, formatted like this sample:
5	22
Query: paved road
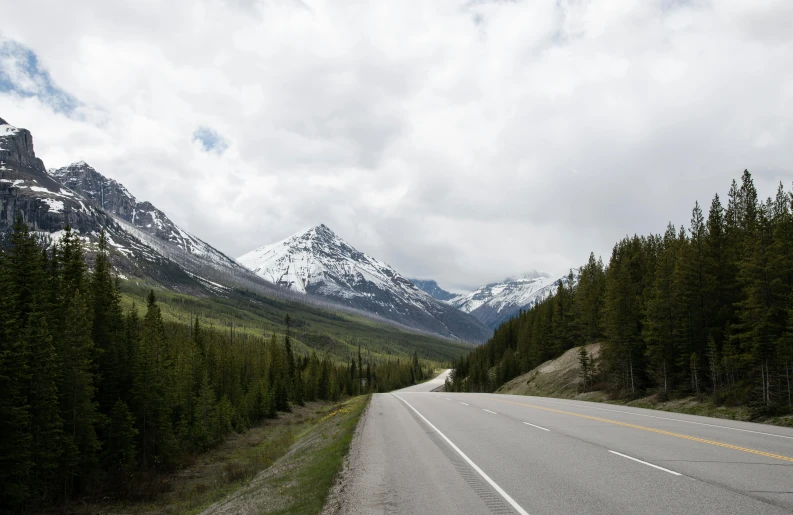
436	453
430	385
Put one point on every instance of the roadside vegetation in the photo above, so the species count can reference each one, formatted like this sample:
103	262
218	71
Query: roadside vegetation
283	465
703	313
103	401
563	378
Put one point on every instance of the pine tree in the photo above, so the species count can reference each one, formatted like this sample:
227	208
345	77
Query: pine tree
205	421
152	390
46	425
661	313
107	323
584	363
15	439
78	406
120	448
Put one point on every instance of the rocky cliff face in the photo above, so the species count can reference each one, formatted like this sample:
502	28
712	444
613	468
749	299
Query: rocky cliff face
48	206
112	197
317	261
433	289
27	190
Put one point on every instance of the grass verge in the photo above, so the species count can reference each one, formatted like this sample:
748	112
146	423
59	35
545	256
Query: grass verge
285	465
299	482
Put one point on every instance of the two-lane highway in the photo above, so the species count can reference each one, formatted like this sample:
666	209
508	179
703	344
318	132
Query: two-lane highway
435	452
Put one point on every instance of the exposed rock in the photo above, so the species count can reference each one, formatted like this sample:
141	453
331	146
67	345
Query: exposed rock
433	289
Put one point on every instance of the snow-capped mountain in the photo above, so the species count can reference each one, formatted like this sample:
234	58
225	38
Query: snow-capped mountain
433	289
318	262
495	303
47	205
112	197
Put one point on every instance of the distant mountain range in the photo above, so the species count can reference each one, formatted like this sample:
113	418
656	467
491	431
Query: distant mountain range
146	243
314	266
433	289
496	303
319	262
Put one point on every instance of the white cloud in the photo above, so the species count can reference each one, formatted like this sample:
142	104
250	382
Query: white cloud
463	141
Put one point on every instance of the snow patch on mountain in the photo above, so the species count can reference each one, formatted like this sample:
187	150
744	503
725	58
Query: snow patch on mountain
494	303
317	261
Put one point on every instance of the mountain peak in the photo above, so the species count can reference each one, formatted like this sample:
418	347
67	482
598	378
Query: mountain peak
3	122
317	261
321	230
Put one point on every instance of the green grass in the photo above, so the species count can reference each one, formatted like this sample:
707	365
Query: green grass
315	479
286	465
335	333
300	481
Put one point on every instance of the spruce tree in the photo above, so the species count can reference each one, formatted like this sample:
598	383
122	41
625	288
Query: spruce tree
78	406
16	461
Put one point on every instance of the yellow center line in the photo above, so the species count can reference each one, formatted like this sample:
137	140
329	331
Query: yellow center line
652	430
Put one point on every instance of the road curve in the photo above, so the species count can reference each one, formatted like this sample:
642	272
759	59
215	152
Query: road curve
419	452
430	385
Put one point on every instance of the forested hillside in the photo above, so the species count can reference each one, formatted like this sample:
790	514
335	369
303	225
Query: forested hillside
701	310
97	399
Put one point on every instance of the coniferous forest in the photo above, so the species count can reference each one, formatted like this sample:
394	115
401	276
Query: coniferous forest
705	310
95	398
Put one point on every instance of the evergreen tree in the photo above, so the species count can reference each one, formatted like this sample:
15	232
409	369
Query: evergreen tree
151	390
16	461
120	448
206	421
78	407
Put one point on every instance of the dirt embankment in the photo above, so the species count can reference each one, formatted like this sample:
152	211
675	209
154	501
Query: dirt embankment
560	377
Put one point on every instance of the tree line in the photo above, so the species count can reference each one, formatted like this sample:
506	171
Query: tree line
703	310
94	398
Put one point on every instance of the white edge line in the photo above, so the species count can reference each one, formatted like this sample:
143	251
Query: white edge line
538	427
464	403
645	463
473	465
493	412
665	418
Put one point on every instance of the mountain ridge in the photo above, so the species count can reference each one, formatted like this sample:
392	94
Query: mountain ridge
494	303
145	244
113	197
319	262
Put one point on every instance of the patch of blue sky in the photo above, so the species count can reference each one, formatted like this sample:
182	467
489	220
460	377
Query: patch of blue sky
22	73
210	140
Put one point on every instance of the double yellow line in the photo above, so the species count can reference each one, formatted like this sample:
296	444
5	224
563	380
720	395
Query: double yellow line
653	430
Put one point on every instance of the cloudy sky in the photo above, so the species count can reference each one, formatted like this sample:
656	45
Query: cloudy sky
458	140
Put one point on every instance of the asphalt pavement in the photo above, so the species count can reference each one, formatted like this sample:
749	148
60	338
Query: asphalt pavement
419	451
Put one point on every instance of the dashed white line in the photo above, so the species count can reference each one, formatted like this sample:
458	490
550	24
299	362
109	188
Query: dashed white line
493	412
473	465
448	399
538	427
464	403
645	463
